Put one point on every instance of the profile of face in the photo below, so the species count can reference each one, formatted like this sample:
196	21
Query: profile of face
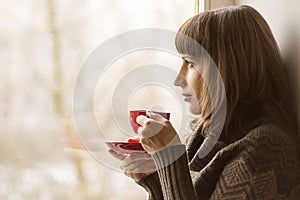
189	79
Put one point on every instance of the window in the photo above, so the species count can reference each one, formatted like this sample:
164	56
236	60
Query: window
43	46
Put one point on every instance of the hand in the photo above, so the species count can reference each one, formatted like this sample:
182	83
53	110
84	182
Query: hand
157	132
138	166
135	166
117	155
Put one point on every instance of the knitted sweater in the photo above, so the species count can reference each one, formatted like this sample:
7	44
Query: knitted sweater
264	164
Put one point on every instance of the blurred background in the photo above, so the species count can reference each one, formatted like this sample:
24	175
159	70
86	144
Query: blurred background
43	45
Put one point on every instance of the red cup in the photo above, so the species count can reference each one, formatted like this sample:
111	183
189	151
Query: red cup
134	113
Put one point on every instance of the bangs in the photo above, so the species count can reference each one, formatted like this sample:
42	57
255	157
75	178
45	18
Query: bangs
189	37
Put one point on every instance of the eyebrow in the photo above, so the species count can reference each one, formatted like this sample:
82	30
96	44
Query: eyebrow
184	57
190	60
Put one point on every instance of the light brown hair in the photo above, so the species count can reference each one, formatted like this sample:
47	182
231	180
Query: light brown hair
241	44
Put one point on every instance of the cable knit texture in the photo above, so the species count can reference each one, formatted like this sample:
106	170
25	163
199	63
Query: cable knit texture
264	164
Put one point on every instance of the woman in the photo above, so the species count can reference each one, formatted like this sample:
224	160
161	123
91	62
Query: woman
256	155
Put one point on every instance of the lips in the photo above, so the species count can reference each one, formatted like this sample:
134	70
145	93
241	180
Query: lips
187	97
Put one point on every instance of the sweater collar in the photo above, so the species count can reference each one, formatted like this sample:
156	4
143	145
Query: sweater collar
194	152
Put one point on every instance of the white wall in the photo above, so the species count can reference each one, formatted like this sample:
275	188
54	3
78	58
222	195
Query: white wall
283	18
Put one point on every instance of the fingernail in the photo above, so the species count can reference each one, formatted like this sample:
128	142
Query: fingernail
147	122
148	111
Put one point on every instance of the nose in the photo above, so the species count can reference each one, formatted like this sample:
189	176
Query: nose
180	79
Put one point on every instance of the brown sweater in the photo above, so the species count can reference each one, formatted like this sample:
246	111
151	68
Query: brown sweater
264	164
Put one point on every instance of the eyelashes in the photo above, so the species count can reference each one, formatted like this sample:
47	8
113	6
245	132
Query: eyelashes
188	64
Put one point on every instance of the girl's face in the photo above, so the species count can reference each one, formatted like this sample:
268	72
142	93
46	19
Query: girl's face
190	80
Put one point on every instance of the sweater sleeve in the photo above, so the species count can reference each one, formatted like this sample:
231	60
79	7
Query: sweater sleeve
263	165
151	184
174	174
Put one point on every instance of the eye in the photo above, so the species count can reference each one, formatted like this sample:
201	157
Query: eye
189	64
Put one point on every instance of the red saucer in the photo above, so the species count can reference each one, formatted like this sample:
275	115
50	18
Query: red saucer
126	147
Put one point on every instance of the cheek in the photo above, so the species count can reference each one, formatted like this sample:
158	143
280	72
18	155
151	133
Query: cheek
194	80
196	84
195	107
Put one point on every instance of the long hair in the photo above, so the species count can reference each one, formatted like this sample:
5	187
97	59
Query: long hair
242	46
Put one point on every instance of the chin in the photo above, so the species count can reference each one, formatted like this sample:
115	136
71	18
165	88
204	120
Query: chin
195	110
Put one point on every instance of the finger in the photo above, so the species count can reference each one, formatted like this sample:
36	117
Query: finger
145	141
155	116
132	167
139	166
117	155
150	166
147	145
143	120
135	176
145	167
152	129
135	156
135	159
